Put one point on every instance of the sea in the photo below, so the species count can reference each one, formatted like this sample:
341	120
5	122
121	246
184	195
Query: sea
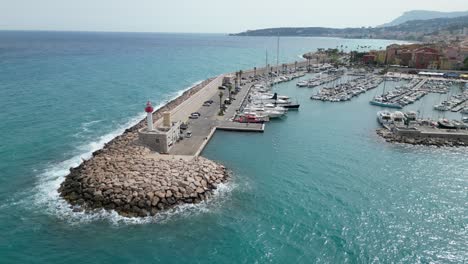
319	186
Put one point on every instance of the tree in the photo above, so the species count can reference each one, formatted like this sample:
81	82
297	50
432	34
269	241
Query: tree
240	77
220	101
465	64
255	71
229	91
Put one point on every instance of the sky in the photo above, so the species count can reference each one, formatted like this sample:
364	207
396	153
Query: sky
205	16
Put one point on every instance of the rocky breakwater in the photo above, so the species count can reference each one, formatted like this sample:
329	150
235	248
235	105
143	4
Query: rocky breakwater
128	178
135	183
391	137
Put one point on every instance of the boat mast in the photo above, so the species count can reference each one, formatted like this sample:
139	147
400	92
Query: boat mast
277	56
267	77
386	71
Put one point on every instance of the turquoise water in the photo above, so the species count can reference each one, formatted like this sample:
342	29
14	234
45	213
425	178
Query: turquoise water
318	186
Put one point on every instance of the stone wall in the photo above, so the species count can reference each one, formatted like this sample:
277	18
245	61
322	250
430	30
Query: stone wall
417	138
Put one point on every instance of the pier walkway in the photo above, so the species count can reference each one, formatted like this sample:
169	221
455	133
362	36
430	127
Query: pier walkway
204	127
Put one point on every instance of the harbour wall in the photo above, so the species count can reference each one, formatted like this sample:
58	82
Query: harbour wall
417	137
126	176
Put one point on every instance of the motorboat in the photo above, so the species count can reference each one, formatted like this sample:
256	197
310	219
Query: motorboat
398	118
292	106
441	107
385	104
269	113
411	116
251	118
384	117
445	123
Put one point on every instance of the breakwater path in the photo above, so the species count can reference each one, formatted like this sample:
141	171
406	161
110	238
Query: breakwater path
126	176
129	178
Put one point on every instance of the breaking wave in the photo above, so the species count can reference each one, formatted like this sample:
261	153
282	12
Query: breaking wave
47	199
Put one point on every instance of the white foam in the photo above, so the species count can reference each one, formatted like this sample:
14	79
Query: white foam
46	198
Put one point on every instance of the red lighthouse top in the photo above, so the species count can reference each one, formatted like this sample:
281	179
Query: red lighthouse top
149	107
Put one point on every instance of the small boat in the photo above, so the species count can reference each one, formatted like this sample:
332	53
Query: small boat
386	104
250	118
411	116
445	123
441	107
292	106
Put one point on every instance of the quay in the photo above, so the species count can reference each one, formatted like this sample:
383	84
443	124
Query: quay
205	125
425	135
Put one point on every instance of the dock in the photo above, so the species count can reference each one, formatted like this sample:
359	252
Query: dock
204	127
241	127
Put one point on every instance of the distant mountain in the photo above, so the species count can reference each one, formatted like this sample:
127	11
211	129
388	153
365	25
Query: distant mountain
410	30
423	15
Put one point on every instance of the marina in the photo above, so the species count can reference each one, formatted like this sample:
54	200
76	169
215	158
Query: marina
322	78
346	91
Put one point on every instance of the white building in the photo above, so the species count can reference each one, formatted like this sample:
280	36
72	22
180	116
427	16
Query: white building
162	138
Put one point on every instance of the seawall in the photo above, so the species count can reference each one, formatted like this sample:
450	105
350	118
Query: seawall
129	178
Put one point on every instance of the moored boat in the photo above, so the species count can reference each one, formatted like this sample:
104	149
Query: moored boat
384	117
385	104
292	106
445	123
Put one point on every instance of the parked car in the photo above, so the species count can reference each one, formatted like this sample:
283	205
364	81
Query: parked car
183	126
222	87
195	114
206	104
193	117
189	134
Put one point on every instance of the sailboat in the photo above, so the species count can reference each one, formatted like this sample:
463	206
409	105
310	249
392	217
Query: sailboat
275	96
382	100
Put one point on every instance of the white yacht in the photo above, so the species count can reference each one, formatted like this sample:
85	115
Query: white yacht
398	118
384	117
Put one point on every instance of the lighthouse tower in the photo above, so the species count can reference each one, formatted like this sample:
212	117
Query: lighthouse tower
149	115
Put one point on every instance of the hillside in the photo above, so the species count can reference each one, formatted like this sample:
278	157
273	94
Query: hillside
423	15
412	30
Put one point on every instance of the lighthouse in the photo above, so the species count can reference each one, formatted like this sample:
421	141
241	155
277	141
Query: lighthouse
149	115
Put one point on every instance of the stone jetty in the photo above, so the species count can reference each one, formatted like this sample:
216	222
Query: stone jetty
127	177
392	137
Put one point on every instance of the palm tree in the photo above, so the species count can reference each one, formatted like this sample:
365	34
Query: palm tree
220	101
255	71
240	77
236	79
229	90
